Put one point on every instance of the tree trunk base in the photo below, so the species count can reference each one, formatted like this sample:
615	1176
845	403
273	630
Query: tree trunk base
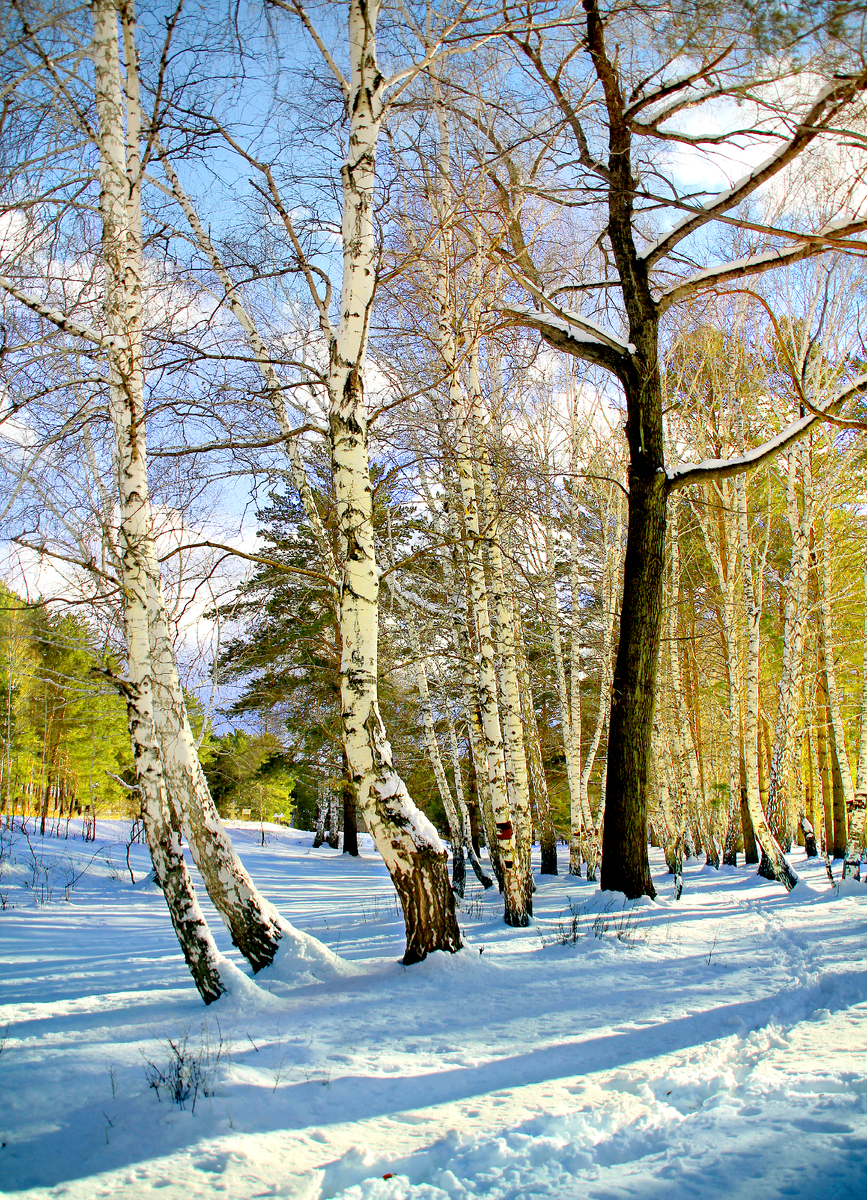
852	868
549	858
777	870
459	871
478	869
428	908
634	883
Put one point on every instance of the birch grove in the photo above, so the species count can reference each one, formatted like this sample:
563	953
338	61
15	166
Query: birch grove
576	470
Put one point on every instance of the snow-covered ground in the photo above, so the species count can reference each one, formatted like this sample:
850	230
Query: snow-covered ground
715	1046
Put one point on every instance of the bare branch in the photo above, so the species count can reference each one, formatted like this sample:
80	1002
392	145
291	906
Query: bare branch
685	474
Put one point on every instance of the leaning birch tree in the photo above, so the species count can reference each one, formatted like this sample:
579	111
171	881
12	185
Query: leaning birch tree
159	721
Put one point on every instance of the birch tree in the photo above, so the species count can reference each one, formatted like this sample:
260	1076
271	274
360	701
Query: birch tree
406	839
162	737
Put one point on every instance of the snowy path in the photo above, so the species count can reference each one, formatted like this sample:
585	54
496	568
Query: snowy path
718	1040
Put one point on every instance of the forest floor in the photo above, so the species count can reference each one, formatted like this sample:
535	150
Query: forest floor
714	1046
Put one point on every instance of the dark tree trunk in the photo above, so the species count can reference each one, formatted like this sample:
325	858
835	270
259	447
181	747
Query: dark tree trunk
841	830
44	807
459	870
350	822
625	864
549	856
428	908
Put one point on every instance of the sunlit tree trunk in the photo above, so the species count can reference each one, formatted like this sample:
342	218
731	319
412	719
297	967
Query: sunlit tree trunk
841	773
547	833
800	524
859	807
409	844
672	814
577	819
470	848
517	780
253	924
518	901
773	861
612	544
717	516
843	788
686	760
456	831
121	256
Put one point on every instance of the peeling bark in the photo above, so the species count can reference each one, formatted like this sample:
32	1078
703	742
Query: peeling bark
410	846
121	254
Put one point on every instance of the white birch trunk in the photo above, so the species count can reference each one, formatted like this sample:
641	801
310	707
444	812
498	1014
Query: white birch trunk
672	814
452	567
682	733
860	805
774	859
456	830
321	817
547	833
517	780
463	628
577	845
478	745
464	812
838	732
254	925
577	817
408	843
516	894
121	252
717	517
486	681
793	638
613	564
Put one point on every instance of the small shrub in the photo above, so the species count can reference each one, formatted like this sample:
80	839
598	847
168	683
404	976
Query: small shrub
114	872
577	921
472	904
378	908
190	1068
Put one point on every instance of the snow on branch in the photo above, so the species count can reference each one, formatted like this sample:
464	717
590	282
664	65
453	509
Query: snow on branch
678	83
827	103
573	334
684	474
103	341
564	320
814	243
